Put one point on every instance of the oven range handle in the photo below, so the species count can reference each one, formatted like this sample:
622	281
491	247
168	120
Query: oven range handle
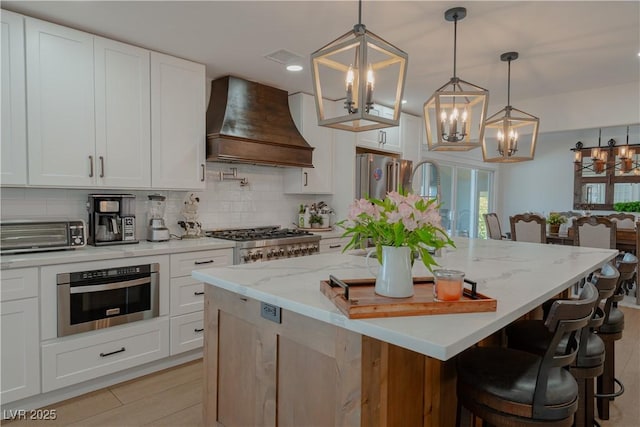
109	286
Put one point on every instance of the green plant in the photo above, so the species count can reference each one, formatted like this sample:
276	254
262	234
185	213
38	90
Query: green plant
556	219
315	219
398	220
627	206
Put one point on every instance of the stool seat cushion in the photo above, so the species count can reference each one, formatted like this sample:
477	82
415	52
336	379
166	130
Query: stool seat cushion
511	375
533	336
615	322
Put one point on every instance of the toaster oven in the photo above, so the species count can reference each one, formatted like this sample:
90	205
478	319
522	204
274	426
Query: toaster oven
17	236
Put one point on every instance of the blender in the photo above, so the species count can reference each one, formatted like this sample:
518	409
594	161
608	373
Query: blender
157	231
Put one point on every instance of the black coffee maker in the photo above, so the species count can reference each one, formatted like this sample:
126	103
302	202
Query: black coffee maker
112	219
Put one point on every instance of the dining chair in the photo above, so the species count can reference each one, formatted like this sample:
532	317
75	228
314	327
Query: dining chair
623	220
594	232
528	228
493	226
509	387
531	335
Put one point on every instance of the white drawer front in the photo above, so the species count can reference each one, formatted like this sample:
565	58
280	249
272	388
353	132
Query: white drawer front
187	332
333	245
70	361
19	283
183	264
187	295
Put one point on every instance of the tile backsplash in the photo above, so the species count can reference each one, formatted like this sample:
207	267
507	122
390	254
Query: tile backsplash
223	204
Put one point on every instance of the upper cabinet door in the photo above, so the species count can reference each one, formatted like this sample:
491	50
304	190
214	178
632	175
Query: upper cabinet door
14	125
60	105
319	179
123	115
177	123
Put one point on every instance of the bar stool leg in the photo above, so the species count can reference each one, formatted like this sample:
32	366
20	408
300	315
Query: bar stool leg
606	380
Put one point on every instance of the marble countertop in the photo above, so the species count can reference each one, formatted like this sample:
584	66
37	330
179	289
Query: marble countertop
96	253
519	275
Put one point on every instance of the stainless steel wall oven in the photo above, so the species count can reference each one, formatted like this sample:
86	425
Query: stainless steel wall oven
95	299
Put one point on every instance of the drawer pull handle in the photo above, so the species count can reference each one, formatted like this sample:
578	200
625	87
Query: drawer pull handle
111	353
199	293
198	330
203	262
334	246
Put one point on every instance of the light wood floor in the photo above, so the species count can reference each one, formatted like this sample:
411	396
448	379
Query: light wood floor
173	397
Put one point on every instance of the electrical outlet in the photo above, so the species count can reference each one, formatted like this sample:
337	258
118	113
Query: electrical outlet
270	312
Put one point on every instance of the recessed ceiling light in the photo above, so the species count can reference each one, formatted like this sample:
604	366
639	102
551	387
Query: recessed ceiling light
404	101
294	67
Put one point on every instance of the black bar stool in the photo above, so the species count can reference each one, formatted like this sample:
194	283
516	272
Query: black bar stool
610	332
533	336
508	387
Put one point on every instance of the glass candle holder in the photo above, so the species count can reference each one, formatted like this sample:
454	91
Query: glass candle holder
447	285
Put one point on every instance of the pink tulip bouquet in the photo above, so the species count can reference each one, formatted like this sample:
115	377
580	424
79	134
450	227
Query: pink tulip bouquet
398	220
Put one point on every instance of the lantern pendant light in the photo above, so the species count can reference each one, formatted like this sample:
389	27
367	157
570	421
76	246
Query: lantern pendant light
365	74
454	115
510	134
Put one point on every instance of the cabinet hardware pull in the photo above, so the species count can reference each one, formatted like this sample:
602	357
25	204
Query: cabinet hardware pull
90	166
204	174
112	352
334	246
199	293
243	299
101	167
198	330
380	137
203	262
384	137
306	179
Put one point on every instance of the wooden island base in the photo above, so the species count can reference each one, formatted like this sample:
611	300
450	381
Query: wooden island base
304	372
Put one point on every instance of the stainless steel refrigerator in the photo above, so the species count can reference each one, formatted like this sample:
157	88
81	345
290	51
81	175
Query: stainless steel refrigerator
376	175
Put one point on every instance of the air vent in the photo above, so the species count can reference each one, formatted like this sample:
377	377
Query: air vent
284	56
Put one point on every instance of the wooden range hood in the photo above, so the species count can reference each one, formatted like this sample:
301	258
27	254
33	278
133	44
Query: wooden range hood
248	122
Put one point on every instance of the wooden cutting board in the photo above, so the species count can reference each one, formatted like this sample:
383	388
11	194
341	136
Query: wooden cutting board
363	302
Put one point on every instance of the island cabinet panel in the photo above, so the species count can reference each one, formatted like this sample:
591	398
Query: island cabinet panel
305	372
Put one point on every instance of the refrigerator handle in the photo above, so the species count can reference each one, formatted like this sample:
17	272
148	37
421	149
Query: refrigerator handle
392	174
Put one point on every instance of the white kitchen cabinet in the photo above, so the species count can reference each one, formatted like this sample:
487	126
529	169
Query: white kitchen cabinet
187	296
91	355
20	357
387	139
88	109
319	179
123	115
20	334
410	137
14	111
60	105
177	123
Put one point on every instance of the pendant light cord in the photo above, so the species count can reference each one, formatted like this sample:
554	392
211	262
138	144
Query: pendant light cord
359	12
455	43
509	84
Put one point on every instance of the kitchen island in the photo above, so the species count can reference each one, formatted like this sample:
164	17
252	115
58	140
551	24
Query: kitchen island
298	361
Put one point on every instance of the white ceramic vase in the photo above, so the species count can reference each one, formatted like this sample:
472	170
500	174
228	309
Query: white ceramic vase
394	277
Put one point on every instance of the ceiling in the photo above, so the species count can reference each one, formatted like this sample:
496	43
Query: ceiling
564	46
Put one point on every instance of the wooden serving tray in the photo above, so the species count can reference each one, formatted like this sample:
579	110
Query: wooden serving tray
361	302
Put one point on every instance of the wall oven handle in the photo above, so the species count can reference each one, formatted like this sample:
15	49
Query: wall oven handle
109	286
112	352
210	261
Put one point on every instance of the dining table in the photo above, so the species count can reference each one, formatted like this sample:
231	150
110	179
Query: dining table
625	239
